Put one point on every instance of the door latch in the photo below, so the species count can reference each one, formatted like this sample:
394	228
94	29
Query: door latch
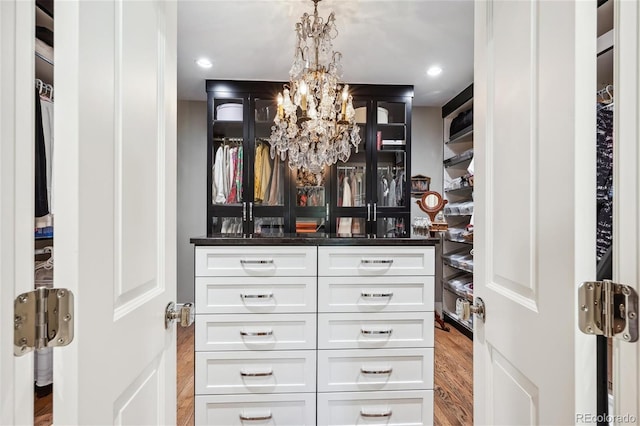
608	309
42	318
183	312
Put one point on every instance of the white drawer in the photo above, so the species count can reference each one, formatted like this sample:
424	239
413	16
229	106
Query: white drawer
255	372
376	408
222	295
380	369
264	410
255	332
381	330
258	261
379	260
375	294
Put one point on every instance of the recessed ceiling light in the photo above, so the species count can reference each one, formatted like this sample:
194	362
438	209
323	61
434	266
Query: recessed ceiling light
204	63
434	71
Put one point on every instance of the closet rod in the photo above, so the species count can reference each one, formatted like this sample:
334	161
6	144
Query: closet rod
47	60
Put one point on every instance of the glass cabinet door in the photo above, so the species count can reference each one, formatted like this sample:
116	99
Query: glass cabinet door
391	156
227	163
268	175
311	198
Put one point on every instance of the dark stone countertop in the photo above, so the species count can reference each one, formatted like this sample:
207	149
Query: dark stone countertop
301	240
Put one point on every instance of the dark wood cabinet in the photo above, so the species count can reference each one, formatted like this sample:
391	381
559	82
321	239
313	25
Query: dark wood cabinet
248	192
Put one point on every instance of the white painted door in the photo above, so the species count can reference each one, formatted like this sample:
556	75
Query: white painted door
534	138
626	219
16	200
115	133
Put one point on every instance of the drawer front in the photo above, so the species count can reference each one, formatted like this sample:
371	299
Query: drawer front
381	369
382	330
375	294
230	295
376	408
255	372
372	261
264	410
255	332
256	261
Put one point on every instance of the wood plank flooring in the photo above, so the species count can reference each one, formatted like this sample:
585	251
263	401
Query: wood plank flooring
453	378
453	381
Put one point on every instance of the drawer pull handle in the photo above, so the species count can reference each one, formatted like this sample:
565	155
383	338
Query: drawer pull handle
377	261
256	373
257	296
256	333
363	294
256	262
364	370
246	418
368	332
364	413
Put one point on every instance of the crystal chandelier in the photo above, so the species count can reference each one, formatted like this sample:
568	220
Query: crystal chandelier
315	123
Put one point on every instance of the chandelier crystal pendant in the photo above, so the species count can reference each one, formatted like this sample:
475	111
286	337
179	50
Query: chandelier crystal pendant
315	124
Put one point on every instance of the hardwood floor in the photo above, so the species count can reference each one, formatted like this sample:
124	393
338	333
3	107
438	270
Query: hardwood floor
453	380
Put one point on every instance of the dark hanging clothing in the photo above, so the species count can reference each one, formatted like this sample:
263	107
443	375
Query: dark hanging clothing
41	199
604	176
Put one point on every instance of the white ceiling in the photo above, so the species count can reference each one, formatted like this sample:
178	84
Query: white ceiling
382	41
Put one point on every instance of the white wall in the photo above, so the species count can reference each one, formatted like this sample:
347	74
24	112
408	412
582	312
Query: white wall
426	149
192	189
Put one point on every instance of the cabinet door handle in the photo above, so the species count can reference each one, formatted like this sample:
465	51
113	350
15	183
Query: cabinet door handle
375	212
372	332
363	294
246	418
257	296
250	211
368	212
256	262
327	213
364	370
364	413
244	211
256	373
256	333
377	261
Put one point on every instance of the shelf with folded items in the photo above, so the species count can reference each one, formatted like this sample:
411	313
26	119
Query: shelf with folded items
460	284
460	190
464	135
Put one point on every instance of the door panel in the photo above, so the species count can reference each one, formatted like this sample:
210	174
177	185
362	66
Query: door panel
626	213
115	239
535	186
16	200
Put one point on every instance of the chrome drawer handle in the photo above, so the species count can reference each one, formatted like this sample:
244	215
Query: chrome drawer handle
363	370
256	333
364	413
377	261
256	374
257	296
256	262
255	418
363	294
388	331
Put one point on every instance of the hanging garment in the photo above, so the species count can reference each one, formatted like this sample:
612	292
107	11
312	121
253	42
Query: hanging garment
392	201
219	196
233	154
344	223
267	169
225	173
258	164
41	198
47	128
604	179
276	193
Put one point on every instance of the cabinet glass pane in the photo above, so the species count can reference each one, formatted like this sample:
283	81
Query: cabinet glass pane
227	225
269	226
390	227
351	185
228	152
269	174
391	180
391	113
351	226
310	225
310	192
